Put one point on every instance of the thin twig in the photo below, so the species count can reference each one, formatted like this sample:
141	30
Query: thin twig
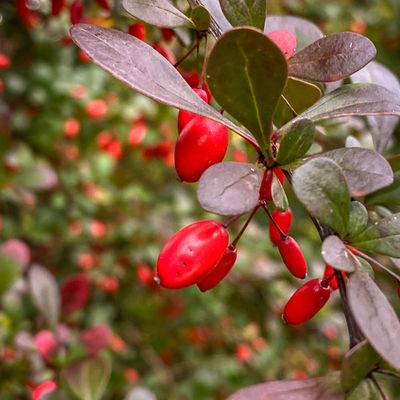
236	240
378	387
387	373
266	209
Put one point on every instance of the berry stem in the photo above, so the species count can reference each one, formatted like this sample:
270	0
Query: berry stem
189	52
231	220
239	235
203	68
325	282
264	206
378	387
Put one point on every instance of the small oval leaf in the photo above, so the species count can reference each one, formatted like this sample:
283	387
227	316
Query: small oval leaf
365	170
247	73
245	12
335	253
374	316
332	58
160	13
321	186
201	18
358	218
279	197
230	188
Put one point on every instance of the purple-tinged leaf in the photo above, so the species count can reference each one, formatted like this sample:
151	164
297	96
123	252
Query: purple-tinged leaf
365	170
351	141
247	73
354	99
326	388
141	67
332	58
157	12
45	294
374	316
245	12
230	188
305	31
335	253
322	188
381	127
381	237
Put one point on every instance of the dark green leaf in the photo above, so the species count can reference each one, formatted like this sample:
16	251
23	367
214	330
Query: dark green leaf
157	12
366	390
365	170
358	220
296	140
394	162
381	237
335	253
389	196
326	388
354	99
9	271
230	188
300	95
305	31
357	364
332	58
247	73
321	186
278	194
245	12
141	67
374	316
201	18
381	127
45	294
88	378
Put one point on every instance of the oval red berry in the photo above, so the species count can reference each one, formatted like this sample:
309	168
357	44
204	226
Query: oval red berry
191	253
284	221
293	257
184	117
306	302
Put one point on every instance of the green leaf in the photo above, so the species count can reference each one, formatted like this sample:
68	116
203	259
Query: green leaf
335	253
141	67
366	390
88	378
326	388
365	170
278	194
247	73
374	316
296	140
332	58
366	267
230	188
45	294
389	196
201	18
381	237
9	271
245	12
160	13
300	95
358	218
321	186
305	31
357	364
354	99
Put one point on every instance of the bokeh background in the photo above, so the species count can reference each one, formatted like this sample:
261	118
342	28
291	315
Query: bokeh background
88	192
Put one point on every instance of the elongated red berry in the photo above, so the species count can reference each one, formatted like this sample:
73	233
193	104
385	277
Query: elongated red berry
284	221
57	7
4	61
138	30
220	271
184	117
306	302
329	271
293	257
76	12
285	40
202	143
266	183
191	253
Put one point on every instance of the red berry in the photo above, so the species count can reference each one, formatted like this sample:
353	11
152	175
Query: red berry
76	12
96	109
138	132
71	128
193	80
104	4
220	271
46	387
104	139
184	117
285	40
202	143
75	294
4	61
191	253
266	183
306	302
57	7
167	34
138	30
46	344
293	257
333	283
284	221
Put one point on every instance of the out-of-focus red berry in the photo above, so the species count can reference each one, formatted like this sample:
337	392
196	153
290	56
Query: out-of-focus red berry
138	30
104	4
72	128
44	388
76	10
138	132
98	229
46	344
75	294
96	338
108	284
131	375
240	156
117	344
167	34
87	261
56	7
4	61
243	352
96	109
